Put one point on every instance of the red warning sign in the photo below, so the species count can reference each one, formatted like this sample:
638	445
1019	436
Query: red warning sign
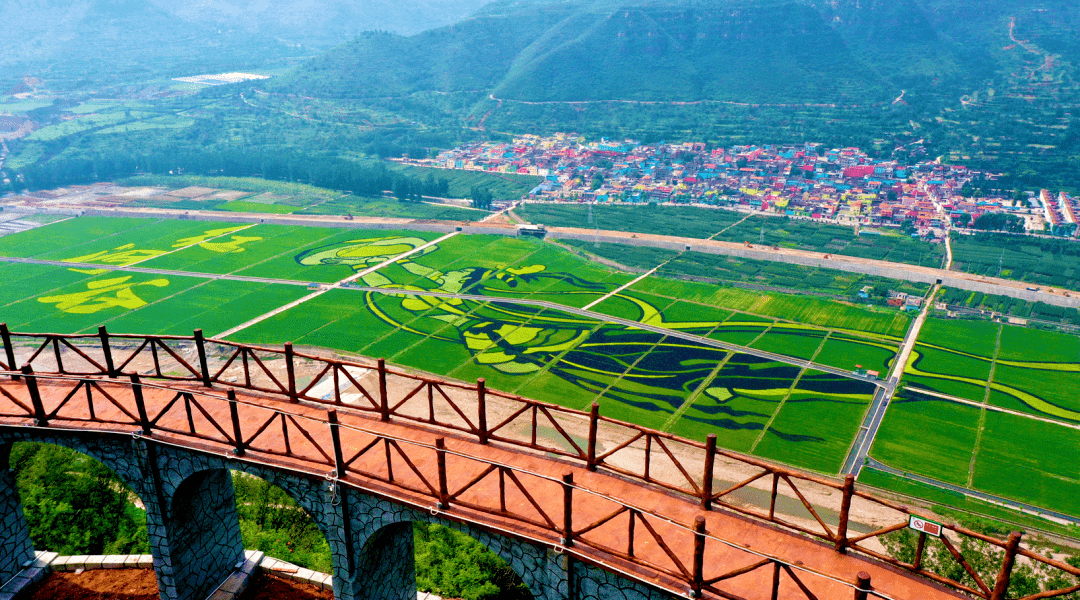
924	525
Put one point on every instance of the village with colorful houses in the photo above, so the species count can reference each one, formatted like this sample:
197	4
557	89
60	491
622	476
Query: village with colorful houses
843	185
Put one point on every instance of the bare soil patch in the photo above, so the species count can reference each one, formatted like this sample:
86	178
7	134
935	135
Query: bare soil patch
141	584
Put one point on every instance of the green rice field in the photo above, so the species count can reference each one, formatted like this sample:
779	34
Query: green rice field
966	412
503	332
990	407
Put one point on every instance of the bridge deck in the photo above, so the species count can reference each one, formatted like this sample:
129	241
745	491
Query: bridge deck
398	460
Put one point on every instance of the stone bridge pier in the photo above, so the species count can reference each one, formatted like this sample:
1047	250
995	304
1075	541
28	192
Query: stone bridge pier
195	538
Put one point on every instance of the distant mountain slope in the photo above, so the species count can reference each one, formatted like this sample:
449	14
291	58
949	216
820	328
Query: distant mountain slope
799	51
67	41
321	22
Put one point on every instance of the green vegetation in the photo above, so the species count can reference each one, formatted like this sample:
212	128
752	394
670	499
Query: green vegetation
749	272
718	224
1029	461
272	521
1026	580
1041	261
74	504
809	310
453	565
976	337
503	186
825	411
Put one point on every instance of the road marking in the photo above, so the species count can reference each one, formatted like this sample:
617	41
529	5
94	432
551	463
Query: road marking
324	289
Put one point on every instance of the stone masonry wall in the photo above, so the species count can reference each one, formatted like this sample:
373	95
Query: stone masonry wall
195	537
15	545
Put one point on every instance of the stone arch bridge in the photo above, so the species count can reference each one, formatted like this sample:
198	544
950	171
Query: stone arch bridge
581	506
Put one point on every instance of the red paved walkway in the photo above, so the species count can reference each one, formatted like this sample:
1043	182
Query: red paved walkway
537	515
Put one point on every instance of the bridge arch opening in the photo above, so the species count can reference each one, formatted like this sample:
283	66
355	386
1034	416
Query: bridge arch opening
453	564
413	553
272	521
72	502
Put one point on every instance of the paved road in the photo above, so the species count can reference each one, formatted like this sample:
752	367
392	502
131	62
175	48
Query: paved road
966	281
941	485
852	264
346	285
872	421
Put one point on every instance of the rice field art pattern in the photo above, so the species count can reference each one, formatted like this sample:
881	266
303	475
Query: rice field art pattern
573	360
1043	388
123	291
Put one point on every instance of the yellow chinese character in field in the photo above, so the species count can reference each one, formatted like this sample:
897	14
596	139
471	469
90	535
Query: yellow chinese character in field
206	235
235	244
121	256
101	295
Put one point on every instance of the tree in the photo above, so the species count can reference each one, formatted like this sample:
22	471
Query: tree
907	227
76	505
481	198
452	564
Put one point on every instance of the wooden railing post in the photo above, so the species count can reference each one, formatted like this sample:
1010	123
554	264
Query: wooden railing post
1012	546
204	369
440	458
862	586
707	476
335	439
699	554
238	436
140	404
594	423
481	410
384	399
106	351
568	509
845	513
9	350
291	370
920	547
40	418
59	355
772	495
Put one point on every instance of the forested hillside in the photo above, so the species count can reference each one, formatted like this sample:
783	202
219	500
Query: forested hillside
756	51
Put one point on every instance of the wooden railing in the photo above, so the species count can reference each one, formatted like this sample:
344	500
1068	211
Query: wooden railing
679	465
